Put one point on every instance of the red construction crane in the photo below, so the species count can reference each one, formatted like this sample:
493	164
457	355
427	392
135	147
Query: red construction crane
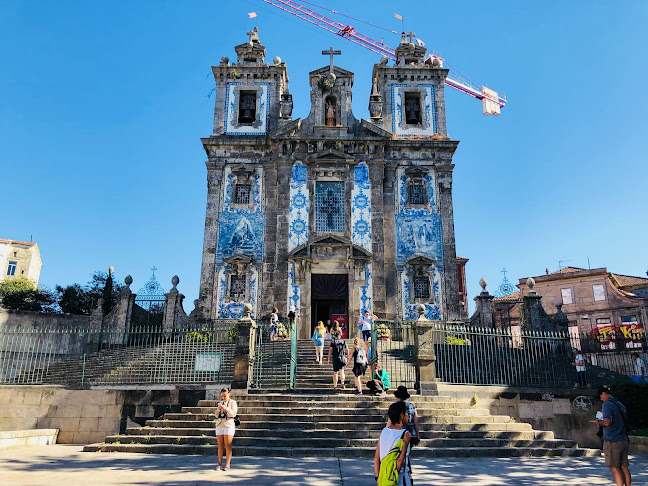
492	101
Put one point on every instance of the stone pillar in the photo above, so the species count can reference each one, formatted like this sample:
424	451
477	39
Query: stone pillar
451	281
483	316
424	355
537	318
96	324
246	330
172	304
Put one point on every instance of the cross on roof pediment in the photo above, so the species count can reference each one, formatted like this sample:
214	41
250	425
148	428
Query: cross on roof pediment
338	71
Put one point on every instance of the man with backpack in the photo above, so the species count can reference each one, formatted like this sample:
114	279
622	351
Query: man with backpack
389	459
616	443
339	353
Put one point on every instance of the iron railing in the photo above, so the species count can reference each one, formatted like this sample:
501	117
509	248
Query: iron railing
81	356
515	357
394	345
273	361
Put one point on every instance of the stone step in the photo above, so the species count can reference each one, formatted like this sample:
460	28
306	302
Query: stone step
289	398
333	442
351	434
341	426
343	452
341	409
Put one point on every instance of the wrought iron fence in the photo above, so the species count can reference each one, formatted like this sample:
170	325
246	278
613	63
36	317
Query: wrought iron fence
79	356
394	345
273	357
515	357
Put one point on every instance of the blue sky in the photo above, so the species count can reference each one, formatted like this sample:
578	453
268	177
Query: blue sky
103	103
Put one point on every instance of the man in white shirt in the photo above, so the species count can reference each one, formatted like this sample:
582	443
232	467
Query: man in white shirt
640	373
581	372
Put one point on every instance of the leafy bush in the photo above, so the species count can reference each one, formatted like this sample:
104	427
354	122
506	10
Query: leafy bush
635	397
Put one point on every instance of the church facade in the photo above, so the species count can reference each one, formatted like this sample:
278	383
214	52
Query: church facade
331	215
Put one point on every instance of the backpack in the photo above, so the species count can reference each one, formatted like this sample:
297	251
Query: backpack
341	350
388	471
361	357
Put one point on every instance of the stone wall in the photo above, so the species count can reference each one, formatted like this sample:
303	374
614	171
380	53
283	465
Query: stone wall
89	415
82	416
544	409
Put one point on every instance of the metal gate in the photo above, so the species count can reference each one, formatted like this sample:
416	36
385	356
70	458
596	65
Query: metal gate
394	345
273	360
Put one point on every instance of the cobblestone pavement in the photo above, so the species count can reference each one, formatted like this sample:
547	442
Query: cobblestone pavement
63	465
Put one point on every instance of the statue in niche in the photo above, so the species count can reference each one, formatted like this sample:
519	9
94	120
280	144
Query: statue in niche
330	112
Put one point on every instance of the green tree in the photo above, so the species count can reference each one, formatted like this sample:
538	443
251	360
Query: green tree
82	300
22	293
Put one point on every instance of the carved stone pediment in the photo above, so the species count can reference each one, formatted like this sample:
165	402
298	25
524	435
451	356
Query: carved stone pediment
335	240
330	154
420	260
238	259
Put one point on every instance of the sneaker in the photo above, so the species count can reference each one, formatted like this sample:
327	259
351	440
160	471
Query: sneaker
359	393
225	468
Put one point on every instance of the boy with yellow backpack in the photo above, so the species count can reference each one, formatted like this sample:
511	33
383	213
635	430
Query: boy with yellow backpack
391	451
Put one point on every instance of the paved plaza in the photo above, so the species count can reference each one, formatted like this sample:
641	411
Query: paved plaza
64	465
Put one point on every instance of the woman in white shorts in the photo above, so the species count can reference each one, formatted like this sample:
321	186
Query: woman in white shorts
227	410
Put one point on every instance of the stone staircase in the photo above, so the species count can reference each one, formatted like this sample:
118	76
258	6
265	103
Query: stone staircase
317	421
173	362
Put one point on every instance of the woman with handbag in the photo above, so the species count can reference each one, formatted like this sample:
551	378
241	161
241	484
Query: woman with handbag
225	427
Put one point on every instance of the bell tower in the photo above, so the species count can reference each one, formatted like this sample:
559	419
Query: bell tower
250	92
407	98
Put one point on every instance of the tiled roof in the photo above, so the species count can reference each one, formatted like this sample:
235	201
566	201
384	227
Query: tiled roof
514	297
11	242
567	270
629	281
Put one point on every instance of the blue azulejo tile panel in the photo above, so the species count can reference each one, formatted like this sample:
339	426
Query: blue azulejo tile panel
240	233
260	125
366	290
433	308
418	233
294	290
361	207
299	207
223	307
430	179
427	126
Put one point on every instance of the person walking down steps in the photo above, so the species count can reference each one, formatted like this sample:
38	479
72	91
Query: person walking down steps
339	354
318	340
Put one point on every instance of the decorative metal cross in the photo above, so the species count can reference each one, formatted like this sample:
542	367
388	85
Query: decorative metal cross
411	36
154	268
504	272
331	52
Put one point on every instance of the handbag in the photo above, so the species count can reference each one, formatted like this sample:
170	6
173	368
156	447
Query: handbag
237	420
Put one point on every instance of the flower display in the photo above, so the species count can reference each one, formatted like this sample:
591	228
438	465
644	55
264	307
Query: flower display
382	332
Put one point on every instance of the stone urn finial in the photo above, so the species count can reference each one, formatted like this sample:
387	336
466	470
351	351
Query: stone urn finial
421	310
483	283
111	270
128	281
100	303
175	281
247	310
531	284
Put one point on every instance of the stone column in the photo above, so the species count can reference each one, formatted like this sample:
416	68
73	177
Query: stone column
424	355
173	302
483	316
451	282
244	352
214	189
